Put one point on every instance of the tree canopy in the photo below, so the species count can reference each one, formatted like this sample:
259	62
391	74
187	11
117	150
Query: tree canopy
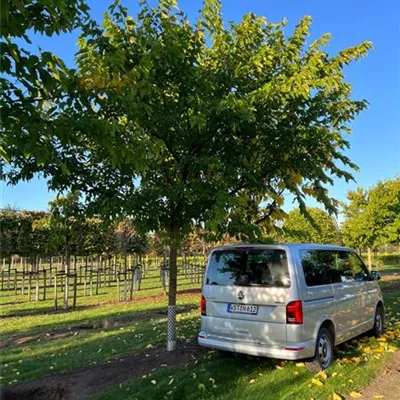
320	227
373	216
206	123
29	81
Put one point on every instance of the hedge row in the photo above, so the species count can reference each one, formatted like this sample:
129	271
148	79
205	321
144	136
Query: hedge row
388	259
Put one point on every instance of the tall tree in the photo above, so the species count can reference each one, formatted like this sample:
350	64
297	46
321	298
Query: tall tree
384	210
182	124
373	216
320	227
67	225
126	240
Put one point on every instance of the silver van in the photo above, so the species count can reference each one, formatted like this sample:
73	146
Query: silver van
288	301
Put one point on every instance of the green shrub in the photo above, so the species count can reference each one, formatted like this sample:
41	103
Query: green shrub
389	259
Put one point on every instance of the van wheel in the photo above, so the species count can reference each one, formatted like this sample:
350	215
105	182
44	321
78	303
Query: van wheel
323	352
377	330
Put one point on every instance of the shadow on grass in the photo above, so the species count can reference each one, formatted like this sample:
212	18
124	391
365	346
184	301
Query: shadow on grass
71	323
87	348
44	311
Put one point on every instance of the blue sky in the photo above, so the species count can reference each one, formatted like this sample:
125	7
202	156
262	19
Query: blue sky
375	143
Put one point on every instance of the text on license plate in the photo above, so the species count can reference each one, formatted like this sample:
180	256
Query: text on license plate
242	308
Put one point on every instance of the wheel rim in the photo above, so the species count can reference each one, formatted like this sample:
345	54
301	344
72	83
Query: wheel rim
324	351
378	324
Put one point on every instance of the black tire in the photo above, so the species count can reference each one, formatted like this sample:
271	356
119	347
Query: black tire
323	357
379	318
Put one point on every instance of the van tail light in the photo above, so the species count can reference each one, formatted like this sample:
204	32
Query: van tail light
294	312
203	305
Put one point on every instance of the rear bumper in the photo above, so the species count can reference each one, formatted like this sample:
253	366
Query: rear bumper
292	351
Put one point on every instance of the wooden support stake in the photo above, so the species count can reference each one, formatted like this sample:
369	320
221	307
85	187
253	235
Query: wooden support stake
29	286
37	286
15	281
51	269
85	282
55	291
125	286
97	281
75	287
66	291
23	281
132	284
9	274
91	283
118	291
44	284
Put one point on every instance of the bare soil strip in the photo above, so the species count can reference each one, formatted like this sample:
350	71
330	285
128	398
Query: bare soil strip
386	383
81	384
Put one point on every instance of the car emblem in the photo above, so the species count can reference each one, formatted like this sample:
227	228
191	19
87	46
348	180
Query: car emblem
240	295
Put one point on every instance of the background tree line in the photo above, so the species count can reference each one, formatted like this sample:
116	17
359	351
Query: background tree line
372	217
371	220
66	230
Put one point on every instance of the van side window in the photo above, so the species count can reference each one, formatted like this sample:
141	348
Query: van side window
343	264
319	267
359	269
351	267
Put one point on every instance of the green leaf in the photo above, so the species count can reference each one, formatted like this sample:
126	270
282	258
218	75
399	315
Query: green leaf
4	155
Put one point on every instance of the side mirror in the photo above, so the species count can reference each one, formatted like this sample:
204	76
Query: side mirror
375	275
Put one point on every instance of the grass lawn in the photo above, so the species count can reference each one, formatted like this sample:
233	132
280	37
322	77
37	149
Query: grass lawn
223	376
40	342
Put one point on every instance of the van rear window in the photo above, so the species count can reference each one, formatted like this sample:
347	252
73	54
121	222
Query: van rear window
248	267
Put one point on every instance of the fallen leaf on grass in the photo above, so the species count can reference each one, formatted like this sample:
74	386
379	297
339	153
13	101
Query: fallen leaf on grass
252	380
153	382
323	374
334	374
355	395
278	367
367	350
336	396
317	382
300	364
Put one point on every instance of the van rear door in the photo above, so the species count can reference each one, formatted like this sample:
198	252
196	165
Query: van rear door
246	292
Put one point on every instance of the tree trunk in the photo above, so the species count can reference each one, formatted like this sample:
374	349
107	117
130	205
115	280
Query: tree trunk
173	252
369	258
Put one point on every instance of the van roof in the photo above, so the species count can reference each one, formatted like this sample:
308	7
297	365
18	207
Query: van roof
298	246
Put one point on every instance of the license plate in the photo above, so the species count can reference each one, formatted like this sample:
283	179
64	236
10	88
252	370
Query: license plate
242	309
